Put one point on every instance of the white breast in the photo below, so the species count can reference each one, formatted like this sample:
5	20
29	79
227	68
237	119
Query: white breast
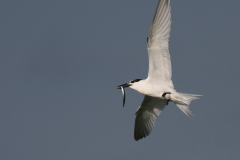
146	87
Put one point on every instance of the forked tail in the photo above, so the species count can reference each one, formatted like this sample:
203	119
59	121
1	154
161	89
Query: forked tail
183	100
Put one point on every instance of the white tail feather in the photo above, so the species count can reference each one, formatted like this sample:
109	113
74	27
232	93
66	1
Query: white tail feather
183	100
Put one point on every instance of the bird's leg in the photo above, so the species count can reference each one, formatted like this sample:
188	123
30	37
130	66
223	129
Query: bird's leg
164	95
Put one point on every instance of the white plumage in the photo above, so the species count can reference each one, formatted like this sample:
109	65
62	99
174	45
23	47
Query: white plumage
158	87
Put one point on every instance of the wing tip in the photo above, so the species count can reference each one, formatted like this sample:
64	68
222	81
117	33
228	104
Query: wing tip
140	137
140	133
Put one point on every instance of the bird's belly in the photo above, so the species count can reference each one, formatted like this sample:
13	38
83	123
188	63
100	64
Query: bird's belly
155	91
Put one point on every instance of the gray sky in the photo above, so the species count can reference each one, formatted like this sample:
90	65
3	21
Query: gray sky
60	63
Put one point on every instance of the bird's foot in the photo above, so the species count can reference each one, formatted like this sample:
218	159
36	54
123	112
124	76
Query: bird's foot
167	102
164	95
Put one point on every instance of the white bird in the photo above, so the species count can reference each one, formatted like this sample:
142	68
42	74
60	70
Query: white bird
158	87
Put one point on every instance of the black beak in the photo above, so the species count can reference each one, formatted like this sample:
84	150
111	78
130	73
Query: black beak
123	85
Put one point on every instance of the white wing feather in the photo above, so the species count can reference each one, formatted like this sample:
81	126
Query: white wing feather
146	116
158	50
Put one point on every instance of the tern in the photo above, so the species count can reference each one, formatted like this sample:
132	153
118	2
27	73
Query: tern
158	87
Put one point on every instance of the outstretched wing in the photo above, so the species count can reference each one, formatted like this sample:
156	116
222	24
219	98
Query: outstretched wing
146	116
158	52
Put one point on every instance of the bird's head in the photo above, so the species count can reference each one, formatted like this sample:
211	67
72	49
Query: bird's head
129	84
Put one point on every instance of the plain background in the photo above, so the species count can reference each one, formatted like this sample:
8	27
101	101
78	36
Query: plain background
60	63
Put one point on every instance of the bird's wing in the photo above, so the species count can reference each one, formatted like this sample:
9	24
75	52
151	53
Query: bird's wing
146	116
158	52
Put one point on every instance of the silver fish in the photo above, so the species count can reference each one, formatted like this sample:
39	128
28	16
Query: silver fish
123	92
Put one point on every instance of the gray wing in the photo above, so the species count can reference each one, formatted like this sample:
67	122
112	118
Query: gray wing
158	51
146	116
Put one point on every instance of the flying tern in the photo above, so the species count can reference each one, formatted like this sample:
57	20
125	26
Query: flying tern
158	87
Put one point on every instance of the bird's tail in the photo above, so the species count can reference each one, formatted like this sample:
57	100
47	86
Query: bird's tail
183	100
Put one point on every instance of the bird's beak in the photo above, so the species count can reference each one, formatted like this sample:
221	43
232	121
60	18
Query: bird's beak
123	91
123	85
